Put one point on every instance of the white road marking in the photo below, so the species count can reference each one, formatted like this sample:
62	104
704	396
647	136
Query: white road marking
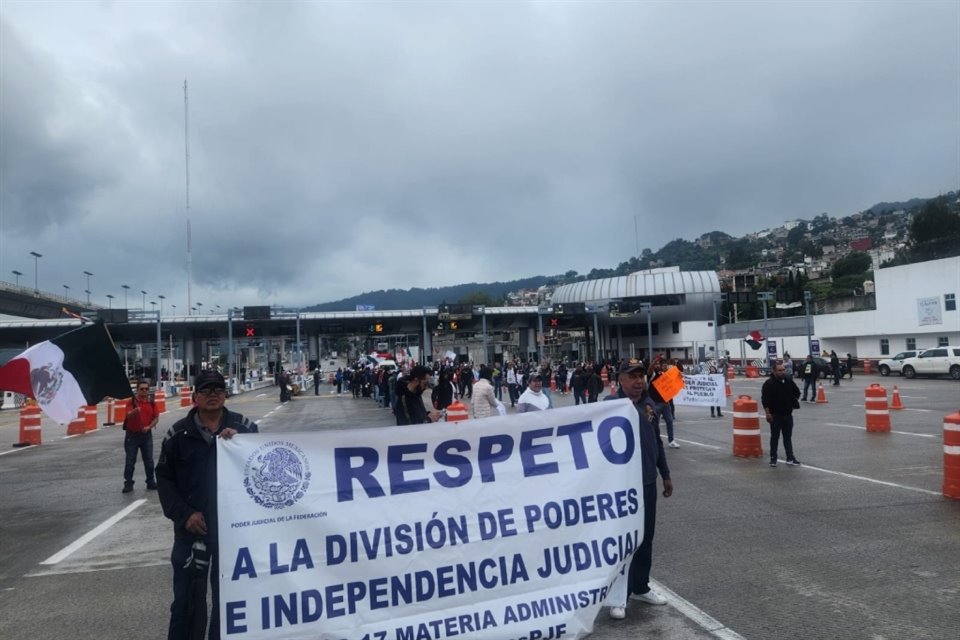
696	444
29	446
904	409
260	395
873	480
700	617
901	433
64	553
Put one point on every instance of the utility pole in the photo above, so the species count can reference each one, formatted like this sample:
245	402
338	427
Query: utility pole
186	149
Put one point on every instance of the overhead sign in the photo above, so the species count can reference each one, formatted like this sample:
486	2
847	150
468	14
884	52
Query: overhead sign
455	312
256	313
366	307
519	526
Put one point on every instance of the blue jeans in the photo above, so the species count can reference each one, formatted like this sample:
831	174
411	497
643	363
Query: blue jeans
664	410
142	443
810	383
179	610
784	425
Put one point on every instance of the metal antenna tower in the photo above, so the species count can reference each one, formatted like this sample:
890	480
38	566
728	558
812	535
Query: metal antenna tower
186	148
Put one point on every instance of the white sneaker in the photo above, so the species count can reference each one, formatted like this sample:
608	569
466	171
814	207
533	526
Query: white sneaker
674	445
618	613
650	597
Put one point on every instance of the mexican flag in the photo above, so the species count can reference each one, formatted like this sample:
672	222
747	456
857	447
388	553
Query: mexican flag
79	368
754	339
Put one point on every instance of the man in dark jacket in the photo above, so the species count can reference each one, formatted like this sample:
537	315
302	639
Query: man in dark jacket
779	396
633	385
187	482
410	408
835	366
809	374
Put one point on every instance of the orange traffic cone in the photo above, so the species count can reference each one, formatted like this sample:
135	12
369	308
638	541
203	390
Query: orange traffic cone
729	392
897	403
821	396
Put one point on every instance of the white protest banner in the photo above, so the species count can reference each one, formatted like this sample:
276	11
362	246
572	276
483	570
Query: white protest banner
705	390
506	527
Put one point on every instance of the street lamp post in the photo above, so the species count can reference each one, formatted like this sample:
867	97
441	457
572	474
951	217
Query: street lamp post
66	291
153	306
162	298
109	301
143	304
807	296
125	288
36	260
88	274
17	275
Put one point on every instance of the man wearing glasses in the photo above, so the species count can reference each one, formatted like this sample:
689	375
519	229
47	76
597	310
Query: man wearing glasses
138	437
187	479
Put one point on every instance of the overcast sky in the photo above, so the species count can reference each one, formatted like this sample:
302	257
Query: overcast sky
337	148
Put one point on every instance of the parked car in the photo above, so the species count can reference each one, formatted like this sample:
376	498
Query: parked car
940	361
824	370
895	364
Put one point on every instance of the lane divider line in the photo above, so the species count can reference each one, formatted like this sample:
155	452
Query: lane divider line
80	542
699	617
696	444
902	433
873	480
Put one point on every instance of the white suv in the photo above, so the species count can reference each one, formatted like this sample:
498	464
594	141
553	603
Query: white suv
894	364
939	361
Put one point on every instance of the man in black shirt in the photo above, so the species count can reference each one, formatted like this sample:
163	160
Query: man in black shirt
410	408
780	396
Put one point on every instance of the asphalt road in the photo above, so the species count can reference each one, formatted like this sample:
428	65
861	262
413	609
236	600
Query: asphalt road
858	543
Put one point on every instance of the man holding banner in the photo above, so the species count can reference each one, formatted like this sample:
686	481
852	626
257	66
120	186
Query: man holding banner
632	379
187	479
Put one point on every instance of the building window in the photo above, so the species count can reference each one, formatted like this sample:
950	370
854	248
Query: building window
911	344
884	347
950	301
676	327
943	341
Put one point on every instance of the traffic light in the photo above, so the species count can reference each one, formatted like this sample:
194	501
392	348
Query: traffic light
251	331
454	325
376	327
554	322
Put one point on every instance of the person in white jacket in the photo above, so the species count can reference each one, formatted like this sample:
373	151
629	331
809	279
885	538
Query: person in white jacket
484	401
534	399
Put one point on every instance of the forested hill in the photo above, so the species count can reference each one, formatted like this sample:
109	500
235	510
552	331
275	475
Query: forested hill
934	233
490	293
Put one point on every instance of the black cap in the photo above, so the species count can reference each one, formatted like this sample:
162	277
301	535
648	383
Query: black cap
209	378
632	365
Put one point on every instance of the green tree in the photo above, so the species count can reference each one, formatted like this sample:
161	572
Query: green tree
481	297
855	264
934	222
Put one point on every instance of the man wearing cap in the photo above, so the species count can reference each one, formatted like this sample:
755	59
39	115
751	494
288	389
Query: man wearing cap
187	481
632	379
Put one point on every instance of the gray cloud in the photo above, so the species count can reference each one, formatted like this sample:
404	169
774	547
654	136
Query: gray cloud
338	148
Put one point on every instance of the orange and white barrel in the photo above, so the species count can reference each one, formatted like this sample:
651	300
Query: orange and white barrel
746	428
877	411
90	417
120	410
78	425
951	456
30	417
160	400
457	411
186	396
111	411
